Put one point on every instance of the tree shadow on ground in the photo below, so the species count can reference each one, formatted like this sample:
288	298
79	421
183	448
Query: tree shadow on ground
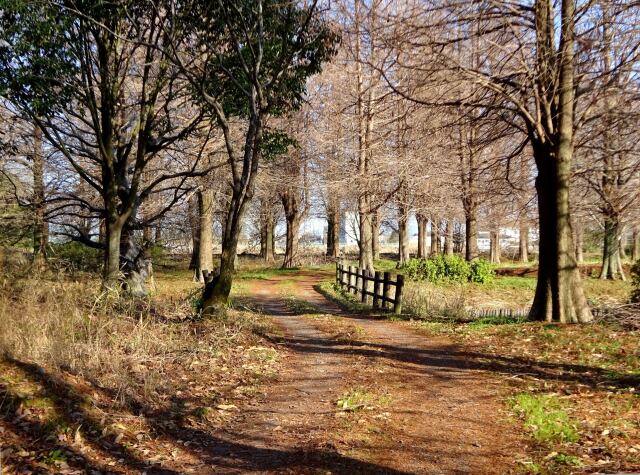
222	452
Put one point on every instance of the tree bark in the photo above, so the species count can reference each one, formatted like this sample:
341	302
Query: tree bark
523	240
267	244
494	254
635	245
40	226
448	240
435	238
471	234
292	214
611	259
333	227
375	236
205	228
559	293
194	226
403	235
422	236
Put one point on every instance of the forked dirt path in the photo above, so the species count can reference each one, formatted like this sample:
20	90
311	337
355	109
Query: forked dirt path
438	415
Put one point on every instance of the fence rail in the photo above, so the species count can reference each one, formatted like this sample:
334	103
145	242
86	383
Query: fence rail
376	288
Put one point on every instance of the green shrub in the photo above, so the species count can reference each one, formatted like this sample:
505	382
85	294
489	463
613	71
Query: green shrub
449	269
76	256
635	282
482	271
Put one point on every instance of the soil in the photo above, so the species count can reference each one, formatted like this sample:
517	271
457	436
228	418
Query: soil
425	409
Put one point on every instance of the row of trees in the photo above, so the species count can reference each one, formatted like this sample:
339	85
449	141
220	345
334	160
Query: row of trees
135	115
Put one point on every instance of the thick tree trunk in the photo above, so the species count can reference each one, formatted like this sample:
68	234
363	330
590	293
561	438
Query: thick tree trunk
216	293
494	253
333	228
40	226
435	238
422	236
194	226
403	236
448	240
523	241
135	263
559	293
611	259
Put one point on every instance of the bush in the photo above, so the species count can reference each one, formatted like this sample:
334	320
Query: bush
449	269
75	256
482	271
635	282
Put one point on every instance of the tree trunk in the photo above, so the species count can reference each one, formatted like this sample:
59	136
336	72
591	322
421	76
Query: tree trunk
523	241
471	235
422	236
635	245
194	226
266	235
135	263
448	241
291	258
375	236
611	261
579	242
435	239
40	226
111	270
559	293
205	228
333	228
494	254
403	236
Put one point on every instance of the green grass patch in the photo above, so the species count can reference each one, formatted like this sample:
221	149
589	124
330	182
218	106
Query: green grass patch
359	398
266	273
546	417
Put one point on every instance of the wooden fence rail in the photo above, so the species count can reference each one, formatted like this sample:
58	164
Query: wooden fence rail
374	287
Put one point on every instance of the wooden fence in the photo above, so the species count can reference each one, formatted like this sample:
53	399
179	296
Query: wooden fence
375	288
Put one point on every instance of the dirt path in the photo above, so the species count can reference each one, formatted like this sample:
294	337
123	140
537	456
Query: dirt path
427	411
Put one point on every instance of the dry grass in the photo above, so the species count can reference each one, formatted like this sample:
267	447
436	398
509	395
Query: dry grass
131	347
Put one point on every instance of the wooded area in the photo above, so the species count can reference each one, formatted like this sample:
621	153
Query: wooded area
201	172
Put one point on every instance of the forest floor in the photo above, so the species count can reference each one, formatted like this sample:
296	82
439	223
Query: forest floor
291	382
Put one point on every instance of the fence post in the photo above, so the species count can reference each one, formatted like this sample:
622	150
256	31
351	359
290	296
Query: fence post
365	274
386	290
376	289
350	279
338	279
397	306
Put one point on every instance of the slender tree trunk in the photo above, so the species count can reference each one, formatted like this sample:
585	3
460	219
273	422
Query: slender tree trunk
266	235
403	236
40	226
578	232
448	241
205	226
635	245
375	236
422	236
194	225
523	240
435	238
494	254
